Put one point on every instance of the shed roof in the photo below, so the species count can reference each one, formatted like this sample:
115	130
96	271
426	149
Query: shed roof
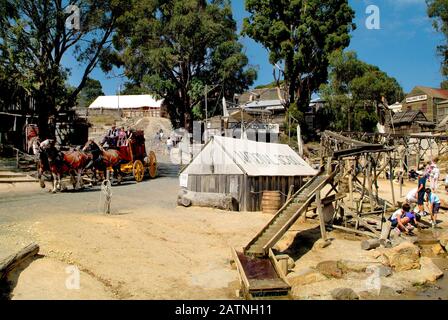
409	116
125	102
228	156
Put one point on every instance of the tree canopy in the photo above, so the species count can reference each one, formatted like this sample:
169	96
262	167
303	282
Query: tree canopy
354	92
438	11
300	35
174	48
34	41
92	90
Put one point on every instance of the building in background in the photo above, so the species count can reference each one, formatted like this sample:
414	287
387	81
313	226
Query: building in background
409	122
428	101
130	106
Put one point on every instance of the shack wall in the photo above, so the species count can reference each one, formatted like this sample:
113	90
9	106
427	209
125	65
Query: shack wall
248	191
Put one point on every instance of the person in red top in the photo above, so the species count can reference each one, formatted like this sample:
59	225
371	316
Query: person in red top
122	138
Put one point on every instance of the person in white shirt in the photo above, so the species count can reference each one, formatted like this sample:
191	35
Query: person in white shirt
411	199
435	174
169	144
399	219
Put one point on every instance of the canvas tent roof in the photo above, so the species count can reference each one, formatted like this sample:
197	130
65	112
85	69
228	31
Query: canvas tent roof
228	156
125	102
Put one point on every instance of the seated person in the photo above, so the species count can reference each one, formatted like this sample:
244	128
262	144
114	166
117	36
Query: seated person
400	219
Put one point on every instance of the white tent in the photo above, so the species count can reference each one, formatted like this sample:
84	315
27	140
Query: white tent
228	156
126	102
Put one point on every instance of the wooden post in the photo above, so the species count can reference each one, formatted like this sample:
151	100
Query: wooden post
290	193
321	216
17	158
350	183
369	183
321	151
391	181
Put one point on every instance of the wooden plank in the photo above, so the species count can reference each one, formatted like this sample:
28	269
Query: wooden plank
369	234
240	269
277	267
10	263
321	216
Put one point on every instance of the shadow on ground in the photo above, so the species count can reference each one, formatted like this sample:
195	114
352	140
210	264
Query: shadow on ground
9	283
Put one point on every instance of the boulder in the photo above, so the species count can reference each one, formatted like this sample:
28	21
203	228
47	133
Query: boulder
444	240
405	256
291	263
311	215
330	269
305	277
344	294
354	266
437	249
384	260
430	271
321	244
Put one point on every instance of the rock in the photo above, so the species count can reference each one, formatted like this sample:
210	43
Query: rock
330	269
311	215
380	270
354	266
430	271
305	277
291	264
405	256
437	249
385	271
321	244
384	260
444	240
344	294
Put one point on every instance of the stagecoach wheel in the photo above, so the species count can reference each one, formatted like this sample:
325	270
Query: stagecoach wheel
152	165
138	171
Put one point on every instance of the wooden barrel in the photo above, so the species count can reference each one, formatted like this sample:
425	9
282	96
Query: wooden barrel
271	202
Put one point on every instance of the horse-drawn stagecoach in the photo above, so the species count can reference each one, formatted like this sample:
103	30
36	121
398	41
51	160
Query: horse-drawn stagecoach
130	159
136	160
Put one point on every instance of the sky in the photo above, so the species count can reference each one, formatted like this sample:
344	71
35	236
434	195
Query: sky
404	46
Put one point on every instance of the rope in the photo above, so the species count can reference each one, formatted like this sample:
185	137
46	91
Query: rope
105	196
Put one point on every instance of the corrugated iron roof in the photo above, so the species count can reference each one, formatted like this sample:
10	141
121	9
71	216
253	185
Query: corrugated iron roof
409	116
434	92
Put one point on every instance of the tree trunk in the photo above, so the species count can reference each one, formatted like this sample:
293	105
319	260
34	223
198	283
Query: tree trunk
43	109
202	199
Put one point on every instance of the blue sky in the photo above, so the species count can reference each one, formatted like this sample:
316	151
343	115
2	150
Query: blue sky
404	47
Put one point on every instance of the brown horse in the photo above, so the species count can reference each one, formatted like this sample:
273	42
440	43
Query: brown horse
103	159
68	162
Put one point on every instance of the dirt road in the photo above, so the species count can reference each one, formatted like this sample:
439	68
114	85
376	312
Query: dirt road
147	249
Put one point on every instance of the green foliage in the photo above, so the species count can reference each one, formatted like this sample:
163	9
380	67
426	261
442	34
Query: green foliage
92	90
34	42
444	85
438	11
354	92
300	35
270	85
174	47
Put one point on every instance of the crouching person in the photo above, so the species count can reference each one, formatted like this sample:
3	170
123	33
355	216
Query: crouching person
400	219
